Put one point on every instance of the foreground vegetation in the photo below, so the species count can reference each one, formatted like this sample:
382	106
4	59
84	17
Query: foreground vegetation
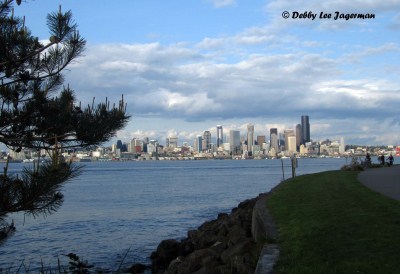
330	223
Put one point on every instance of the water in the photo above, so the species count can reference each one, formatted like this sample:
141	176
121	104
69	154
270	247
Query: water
122	210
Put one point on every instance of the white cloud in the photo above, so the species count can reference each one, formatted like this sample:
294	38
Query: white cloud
184	87
222	3
372	51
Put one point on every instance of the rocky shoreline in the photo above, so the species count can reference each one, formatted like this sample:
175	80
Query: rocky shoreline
223	245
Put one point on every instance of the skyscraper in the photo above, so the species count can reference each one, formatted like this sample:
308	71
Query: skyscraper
234	141
305	128
220	135
289	133
199	143
273	139
298	136
206	140
250	137
291	144
260	140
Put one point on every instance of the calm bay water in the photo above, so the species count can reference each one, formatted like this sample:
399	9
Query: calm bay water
126	208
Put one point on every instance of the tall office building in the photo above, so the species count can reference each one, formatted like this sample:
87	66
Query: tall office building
289	133
305	128
220	136
199	143
291	144
250	137
234	141
206	143
273	139
298	136
132	145
119	144
260	140
173	141
342	146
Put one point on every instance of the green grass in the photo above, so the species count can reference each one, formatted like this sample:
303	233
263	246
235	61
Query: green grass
330	223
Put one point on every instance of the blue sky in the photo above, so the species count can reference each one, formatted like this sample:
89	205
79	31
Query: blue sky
186	66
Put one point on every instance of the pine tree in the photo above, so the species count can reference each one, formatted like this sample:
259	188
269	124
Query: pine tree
38	112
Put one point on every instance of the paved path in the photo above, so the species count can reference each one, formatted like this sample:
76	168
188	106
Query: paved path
385	180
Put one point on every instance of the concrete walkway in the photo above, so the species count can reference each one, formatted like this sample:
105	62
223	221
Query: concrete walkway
385	180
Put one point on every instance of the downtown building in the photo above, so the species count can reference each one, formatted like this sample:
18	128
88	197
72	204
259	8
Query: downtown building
234	142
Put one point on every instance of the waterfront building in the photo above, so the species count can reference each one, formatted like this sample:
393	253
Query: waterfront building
226	147
265	147
250	137
151	148
289	133
303	150
272	152
136	146
256	150
305	128
220	135
234	141
206	143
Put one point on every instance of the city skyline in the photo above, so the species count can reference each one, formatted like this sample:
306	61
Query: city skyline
291	140
206	138
185	67
210	136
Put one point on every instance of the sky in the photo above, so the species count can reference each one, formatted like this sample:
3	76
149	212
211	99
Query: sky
186	66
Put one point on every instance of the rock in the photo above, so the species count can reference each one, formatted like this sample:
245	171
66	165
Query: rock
137	268
186	247
174	265
223	245
218	247
241	248
203	256
167	250
236	235
208	238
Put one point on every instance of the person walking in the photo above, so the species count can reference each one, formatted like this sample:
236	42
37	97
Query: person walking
390	159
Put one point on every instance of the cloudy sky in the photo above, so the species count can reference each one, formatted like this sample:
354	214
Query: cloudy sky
187	66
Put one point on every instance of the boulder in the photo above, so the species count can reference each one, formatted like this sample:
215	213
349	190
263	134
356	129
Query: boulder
137	268
166	251
223	245
241	248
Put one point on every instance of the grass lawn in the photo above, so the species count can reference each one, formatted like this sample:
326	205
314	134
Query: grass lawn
330	223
